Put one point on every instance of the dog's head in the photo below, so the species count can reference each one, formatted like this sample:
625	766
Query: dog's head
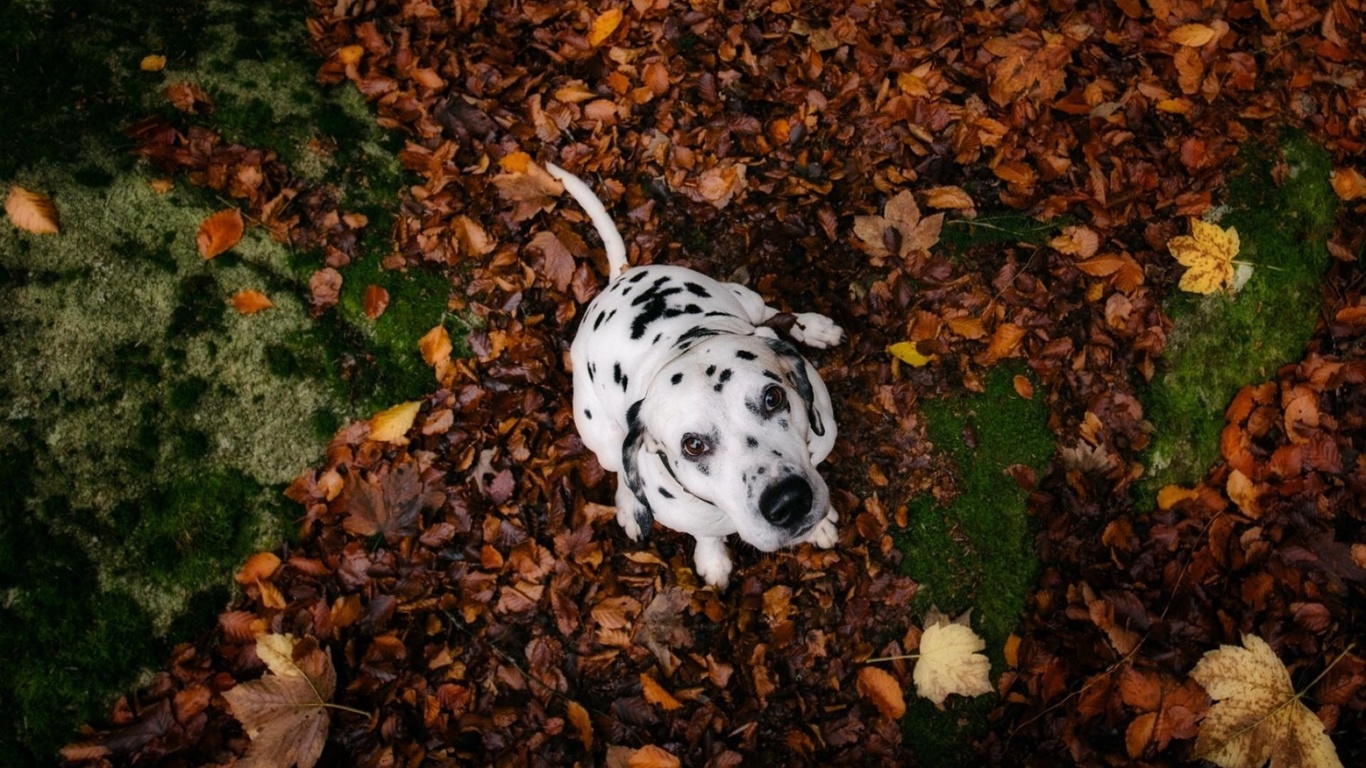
740	423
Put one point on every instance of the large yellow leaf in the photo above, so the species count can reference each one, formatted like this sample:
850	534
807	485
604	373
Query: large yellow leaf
1257	716
604	25
1207	253
950	662
391	425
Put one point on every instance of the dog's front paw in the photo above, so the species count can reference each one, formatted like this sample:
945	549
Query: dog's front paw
825	535
816	330
627	508
713	561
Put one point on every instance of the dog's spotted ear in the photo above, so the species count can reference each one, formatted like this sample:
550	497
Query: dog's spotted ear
631	448
800	380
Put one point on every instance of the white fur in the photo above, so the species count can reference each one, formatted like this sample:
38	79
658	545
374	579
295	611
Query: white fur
666	354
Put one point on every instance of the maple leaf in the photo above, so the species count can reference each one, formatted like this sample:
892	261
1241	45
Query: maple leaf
31	211
219	232
901	216
949	661
285	713
390	506
1257	716
1207	253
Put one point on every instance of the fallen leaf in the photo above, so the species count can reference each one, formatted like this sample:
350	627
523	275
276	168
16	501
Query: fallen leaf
880	687
152	63
435	345
324	288
1208	253
261	565
1257	716
375	301
250	302
31	211
1348	183
917	234
390	425
219	232
650	756
578	717
906	352
656	693
603	26
1191	35
285	714
950	663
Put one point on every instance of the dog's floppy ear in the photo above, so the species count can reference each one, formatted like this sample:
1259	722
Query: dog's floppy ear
631	447
800	381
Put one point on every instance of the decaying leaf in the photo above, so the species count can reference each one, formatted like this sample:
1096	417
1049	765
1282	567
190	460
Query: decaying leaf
901	221
950	661
390	425
250	302
881	688
219	232
285	713
31	211
583	724
1207	253
1257	716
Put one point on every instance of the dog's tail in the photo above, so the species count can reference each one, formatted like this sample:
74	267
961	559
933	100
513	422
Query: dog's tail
607	229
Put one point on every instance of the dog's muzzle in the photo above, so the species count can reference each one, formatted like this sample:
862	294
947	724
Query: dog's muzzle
786	503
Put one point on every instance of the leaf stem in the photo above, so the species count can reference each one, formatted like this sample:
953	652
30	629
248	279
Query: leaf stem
902	657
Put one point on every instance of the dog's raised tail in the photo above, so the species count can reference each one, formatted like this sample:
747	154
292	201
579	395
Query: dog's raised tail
597	213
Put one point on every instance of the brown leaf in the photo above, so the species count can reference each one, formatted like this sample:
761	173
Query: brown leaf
261	565
557	265
219	232
324	288
881	688
390	506
250	302
578	717
285	713
375	301
31	211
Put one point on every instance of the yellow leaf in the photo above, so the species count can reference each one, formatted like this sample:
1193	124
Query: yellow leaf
161	186
389	426
1191	35
603	26
435	345
219	232
950	663
656	693
880	687
906	352
1207	253
1242	492
31	211
250	302
152	63
1171	495
1257	716
955	198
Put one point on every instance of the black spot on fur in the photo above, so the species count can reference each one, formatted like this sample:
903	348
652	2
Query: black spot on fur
655	342
711	370
718	313
618	376
637	277
697	290
664	492
592	369
677	378
772	375
598	322
692	309
725	375
751	441
587	414
745	354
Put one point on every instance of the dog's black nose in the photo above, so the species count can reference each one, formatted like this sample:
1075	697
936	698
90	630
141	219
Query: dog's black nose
786	502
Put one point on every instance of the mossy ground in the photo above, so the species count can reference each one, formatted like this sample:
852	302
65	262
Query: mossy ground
1220	343
148	428
976	552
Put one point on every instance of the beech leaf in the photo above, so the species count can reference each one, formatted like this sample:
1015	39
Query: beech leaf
1257	715
219	232
881	688
390	425
250	302
31	211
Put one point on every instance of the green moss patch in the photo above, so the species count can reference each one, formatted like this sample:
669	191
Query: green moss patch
1220	343
975	552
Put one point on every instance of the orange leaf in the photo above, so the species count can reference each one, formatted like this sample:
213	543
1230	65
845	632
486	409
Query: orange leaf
1348	183
1171	495
656	694
261	565
883	690
954	198
219	232
250	302
1242	492
967	327
152	63
350	54
515	162
650	756
1003	342
578	717
1023	387
376	300
31	211
1102	266
1078	241
603	26
435	345
1192	35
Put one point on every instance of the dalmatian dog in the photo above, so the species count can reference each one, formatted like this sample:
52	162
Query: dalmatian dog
713	424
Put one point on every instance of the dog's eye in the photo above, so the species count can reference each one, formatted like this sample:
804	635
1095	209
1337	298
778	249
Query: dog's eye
694	446
775	397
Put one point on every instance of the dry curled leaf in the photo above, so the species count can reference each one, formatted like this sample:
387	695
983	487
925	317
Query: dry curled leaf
219	232
881	688
285	713
250	302
1207	253
31	211
950	662
1257	716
